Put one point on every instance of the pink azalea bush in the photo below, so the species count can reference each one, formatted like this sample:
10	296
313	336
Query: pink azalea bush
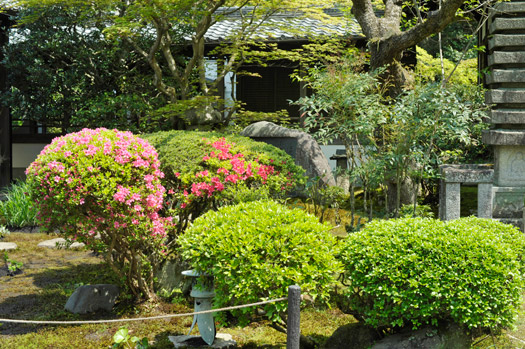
218	172
103	187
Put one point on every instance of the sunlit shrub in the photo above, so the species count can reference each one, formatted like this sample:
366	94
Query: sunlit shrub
415	271
102	187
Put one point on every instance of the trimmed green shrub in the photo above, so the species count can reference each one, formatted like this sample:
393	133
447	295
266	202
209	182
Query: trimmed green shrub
102	187
256	250
17	209
207	170
415	271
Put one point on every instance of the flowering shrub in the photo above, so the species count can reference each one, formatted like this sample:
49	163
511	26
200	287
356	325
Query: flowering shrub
208	170
102	187
255	250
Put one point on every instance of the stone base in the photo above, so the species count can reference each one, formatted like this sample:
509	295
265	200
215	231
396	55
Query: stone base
508	202
222	340
518	223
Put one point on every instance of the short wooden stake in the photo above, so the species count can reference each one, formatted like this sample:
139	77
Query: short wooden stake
293	328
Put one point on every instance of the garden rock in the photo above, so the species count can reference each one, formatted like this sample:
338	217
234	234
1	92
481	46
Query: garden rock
352	336
449	336
91	298
169	277
59	243
8	246
308	153
222	341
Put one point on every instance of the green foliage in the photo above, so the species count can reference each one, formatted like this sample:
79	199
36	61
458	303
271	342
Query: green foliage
198	163
13	267
423	211
3	231
256	250
17	209
323	197
428	69
65	74
102	187
122	339
415	271
244	118
455	39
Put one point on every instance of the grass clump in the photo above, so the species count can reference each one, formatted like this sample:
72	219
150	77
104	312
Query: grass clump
17	209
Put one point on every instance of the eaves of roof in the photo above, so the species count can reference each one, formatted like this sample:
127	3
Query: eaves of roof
284	28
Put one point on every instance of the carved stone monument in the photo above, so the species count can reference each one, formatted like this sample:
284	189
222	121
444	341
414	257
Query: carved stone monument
504	37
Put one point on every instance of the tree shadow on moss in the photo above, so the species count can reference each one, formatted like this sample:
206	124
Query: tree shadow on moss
47	301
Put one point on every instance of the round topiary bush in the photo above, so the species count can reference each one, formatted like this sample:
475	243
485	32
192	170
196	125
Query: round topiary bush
207	170
414	271
102	187
256	250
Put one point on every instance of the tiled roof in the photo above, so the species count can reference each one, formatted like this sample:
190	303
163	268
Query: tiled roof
284	27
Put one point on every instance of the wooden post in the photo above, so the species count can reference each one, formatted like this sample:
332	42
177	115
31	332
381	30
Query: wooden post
294	317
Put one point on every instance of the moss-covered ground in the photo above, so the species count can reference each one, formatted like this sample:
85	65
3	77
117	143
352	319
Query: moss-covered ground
50	276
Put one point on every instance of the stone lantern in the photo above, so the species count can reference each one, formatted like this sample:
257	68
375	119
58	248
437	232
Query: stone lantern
203	294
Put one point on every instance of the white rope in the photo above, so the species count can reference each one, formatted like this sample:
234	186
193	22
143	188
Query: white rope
140	318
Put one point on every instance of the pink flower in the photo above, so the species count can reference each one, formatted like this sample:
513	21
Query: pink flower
121	194
231	178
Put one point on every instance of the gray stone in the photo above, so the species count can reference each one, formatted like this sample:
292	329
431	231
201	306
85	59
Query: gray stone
515	7
509	168
485	200
8	246
449	201
352	336
169	277
498	76
503	40
507	96
452	176
508	202
59	243
450	337
222	340
90	298
506	24
504	137
508	116
308	154
506	57
468	174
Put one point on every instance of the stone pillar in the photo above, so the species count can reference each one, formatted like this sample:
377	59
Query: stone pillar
450	203
504	37
452	176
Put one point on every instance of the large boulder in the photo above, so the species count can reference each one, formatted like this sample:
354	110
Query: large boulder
300	145
357	336
91	298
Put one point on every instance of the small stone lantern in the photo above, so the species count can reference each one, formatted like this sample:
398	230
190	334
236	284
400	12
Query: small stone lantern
203	295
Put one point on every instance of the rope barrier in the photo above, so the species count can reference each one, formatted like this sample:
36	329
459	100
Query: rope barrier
140	318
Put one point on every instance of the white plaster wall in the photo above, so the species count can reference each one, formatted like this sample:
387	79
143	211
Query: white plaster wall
328	151
25	153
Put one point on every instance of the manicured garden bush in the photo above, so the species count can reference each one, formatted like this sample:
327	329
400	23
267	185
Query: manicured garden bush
102	187
207	170
17	210
414	271
256	250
